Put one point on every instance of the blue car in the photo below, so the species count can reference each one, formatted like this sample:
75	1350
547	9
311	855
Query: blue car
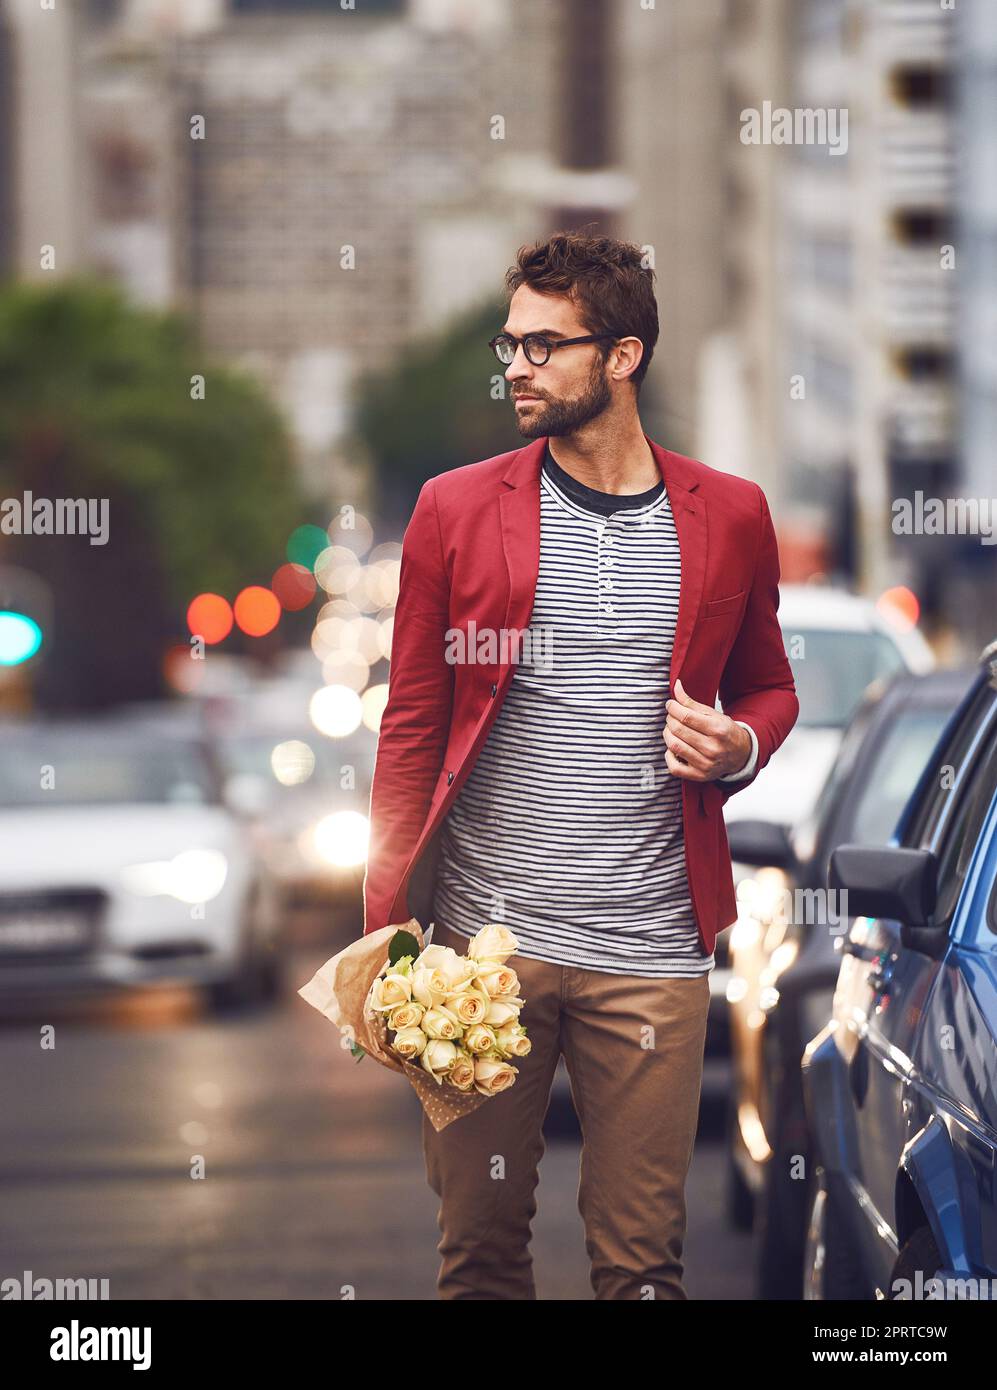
900	1086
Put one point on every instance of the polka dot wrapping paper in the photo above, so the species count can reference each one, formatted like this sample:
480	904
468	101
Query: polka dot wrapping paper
340	989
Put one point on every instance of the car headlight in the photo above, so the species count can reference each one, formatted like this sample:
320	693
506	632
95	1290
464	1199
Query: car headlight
193	876
341	839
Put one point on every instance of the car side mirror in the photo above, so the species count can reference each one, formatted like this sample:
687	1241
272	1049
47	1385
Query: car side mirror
760	843
887	881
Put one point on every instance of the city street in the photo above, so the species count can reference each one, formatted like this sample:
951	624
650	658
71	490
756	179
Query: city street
501	466
313	1168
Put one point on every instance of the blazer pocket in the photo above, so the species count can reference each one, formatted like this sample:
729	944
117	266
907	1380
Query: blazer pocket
718	606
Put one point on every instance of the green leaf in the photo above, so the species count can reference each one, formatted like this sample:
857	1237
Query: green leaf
403	943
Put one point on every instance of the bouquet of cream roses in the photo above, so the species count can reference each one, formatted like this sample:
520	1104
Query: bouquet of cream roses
456	1016
448	1023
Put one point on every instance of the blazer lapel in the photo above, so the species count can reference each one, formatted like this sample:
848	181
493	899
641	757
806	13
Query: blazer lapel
519	510
689	514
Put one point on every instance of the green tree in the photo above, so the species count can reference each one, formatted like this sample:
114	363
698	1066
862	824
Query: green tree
95	402
434	409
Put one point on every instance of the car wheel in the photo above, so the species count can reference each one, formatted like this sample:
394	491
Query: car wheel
740	1198
831	1270
918	1262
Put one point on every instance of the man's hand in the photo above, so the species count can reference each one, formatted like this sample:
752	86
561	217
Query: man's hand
700	742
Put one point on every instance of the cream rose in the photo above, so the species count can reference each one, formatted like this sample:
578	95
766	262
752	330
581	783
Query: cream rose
444	960
470	1006
440	1022
497	979
512	1040
493	943
438	1056
502	1011
461	1074
409	1042
429	987
389	991
406	1016
492	1076
479	1038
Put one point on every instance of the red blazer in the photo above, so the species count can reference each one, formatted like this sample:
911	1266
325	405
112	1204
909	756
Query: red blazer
471	553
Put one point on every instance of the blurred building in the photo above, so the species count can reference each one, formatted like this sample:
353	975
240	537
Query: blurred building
739	368
365	175
835	369
44	206
671	122
901	66
342	203
319	187
974	583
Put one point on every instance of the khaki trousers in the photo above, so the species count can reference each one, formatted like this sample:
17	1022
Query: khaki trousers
634	1053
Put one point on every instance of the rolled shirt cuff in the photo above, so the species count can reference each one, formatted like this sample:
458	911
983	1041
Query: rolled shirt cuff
749	767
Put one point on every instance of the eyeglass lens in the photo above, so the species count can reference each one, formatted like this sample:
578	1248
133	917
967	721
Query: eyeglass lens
536	350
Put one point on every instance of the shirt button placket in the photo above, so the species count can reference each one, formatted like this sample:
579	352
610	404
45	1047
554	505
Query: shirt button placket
607	609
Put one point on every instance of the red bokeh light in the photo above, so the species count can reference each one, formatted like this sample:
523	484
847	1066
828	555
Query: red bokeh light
210	616
294	586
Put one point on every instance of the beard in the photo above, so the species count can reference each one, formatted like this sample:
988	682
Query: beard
554	417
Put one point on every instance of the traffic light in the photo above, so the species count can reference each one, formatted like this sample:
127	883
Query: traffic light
20	638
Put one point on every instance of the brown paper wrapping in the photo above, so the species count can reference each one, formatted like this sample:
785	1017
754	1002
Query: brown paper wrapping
339	990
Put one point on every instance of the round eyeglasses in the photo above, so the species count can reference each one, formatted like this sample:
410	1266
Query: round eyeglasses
538	348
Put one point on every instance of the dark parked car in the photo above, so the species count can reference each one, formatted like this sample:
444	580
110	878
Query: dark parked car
783	958
900	1086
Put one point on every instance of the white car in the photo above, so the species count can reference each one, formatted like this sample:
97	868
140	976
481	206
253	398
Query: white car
120	865
838	645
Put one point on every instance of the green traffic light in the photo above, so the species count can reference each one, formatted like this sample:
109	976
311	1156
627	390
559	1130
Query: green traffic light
20	638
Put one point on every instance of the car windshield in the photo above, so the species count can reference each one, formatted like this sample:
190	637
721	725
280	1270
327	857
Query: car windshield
897	761
833	669
87	770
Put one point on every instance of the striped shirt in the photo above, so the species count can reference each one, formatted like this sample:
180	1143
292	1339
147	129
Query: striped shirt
569	827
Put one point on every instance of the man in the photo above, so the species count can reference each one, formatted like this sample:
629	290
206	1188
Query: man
571	786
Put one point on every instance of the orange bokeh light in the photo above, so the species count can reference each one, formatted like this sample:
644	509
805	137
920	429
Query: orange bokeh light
257	611
294	586
210	616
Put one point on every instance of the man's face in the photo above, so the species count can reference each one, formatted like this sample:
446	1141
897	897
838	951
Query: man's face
572	387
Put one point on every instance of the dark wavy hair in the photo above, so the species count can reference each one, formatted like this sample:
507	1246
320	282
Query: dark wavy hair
614	292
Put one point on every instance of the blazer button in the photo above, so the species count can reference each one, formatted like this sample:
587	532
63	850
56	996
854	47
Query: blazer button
494	691
449	778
